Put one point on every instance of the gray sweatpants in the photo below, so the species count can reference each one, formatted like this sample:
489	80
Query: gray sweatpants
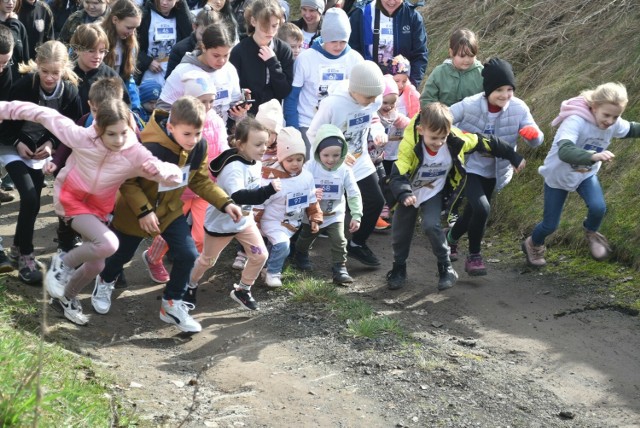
403	225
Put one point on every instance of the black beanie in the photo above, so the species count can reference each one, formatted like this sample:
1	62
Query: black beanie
497	72
329	142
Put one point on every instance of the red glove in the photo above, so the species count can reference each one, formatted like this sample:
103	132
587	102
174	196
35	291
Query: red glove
529	132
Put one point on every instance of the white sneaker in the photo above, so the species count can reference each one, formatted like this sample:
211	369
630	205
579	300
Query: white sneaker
101	297
73	310
57	277
176	312
240	261
273	280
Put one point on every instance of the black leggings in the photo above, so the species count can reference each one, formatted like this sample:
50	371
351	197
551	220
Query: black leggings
29	183
478	191
372	203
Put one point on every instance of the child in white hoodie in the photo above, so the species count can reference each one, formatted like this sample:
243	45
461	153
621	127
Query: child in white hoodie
281	215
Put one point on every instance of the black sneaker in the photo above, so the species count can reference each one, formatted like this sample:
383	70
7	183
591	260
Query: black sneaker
302	261
244	298
190	295
397	277
5	263
363	254
340	274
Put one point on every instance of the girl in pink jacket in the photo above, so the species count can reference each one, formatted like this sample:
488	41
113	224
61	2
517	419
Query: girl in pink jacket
104	156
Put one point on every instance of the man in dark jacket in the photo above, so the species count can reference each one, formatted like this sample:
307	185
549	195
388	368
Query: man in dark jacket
401	32
20	42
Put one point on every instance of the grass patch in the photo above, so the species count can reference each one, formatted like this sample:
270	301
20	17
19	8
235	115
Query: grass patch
42	384
359	316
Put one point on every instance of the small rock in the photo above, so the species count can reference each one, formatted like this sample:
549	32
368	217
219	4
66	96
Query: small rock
423	387
178	383
467	342
436	324
312	393
493	260
565	414
193	382
135	385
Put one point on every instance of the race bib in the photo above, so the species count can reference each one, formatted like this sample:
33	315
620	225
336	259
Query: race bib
164	33
185	180
296	201
427	176
330	189
357	122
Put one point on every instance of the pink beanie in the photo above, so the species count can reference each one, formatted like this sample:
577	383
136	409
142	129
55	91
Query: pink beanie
390	85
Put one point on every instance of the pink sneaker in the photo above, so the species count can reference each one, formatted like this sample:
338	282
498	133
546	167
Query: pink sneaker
474	265
386	213
157	271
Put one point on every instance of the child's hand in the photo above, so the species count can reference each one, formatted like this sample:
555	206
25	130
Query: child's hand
315	227
150	224
155	66
604	156
410	200
349	159
239	111
44	151
521	166
319	193
381	140
23	151
234	212
354	225
150	168
49	168
276	184
266	53
529	132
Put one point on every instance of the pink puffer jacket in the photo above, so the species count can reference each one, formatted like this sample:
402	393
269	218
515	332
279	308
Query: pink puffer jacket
90	180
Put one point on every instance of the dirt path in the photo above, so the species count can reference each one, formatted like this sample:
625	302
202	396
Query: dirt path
513	348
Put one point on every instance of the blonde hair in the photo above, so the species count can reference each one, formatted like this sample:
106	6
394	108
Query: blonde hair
49	52
262	11
187	110
290	30
436	117
607	93
104	89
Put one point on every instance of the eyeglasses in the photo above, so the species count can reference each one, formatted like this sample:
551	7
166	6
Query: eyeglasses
93	51
9	1
6	64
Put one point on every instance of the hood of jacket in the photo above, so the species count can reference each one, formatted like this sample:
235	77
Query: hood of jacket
325	131
192	58
230	155
317	46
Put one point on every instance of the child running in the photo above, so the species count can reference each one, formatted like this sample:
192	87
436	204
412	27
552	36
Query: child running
85	190
50	82
495	112
238	172
335	179
587	122
146	209
432	153
281	215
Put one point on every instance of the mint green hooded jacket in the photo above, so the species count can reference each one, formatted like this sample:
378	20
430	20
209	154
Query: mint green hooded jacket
449	85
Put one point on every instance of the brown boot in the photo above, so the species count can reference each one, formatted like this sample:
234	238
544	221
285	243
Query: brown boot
534	254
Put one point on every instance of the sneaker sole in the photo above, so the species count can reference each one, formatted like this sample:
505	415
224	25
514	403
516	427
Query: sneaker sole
154	279
238	301
476	272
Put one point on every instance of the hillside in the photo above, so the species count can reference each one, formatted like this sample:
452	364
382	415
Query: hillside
558	48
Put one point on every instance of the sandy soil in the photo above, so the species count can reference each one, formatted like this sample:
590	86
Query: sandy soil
514	348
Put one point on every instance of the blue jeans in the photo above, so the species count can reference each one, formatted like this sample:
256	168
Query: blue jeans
589	190
278	253
181	246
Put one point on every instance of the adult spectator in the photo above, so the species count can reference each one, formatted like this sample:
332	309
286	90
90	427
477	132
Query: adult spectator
400	32
62	10
93	11
38	20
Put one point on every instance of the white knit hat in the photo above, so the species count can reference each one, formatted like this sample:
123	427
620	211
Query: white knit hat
197	82
290	143
270	115
335	26
366	79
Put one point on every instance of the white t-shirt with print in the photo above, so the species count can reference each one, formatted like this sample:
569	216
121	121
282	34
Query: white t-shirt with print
561	175
431	176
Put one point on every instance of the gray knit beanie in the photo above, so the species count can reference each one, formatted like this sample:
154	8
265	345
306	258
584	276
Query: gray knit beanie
314	4
335	26
366	79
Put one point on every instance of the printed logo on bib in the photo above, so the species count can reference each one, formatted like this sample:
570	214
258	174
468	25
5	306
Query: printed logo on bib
428	174
357	126
185	180
330	189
